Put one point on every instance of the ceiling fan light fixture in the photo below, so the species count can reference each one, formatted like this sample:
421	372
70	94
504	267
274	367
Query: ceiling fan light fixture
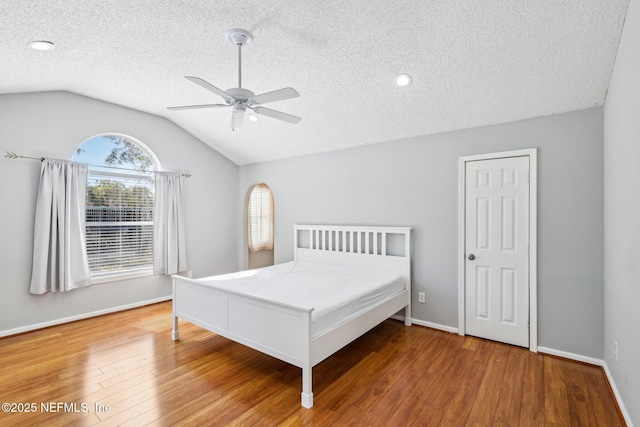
403	80
41	45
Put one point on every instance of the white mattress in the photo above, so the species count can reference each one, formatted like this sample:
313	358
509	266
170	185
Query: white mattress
335	293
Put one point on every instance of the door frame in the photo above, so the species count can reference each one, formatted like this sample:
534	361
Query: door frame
532	153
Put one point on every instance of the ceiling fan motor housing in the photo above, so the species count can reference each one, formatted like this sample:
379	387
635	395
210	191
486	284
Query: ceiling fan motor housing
240	94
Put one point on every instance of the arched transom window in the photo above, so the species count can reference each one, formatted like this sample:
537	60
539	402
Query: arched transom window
260	218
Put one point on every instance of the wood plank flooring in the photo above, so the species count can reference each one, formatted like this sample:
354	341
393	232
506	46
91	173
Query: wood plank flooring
124	369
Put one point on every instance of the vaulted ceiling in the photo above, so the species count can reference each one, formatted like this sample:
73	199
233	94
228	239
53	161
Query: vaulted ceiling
473	63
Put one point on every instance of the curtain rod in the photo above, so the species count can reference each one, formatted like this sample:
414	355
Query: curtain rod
12	155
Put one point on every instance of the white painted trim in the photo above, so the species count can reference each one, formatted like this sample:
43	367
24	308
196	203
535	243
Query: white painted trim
438	326
28	328
462	177
616	393
571	356
553	352
145	272
533	250
596	362
431	325
397	317
532	153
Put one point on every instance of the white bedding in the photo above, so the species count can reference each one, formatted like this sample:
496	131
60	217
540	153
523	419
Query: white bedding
335	293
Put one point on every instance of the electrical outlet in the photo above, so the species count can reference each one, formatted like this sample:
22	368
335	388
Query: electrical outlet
421	297
615	349
189	274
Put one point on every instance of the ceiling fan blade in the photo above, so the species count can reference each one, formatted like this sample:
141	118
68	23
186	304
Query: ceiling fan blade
276	95
208	86
277	115
236	119
193	107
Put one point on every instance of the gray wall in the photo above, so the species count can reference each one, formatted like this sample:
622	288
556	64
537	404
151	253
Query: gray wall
622	216
53	124
414	183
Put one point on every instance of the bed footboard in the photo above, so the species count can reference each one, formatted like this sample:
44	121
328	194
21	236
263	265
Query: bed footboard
279	330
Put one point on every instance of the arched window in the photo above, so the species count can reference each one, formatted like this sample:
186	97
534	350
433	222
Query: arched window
119	212
260	218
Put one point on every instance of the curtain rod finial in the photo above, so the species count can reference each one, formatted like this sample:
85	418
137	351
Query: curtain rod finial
12	155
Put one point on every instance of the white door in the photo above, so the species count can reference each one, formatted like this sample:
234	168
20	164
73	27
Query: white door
497	249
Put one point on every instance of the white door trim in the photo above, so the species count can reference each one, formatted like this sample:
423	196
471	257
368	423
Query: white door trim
532	153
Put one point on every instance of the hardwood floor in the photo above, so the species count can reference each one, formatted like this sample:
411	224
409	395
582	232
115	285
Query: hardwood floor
127	364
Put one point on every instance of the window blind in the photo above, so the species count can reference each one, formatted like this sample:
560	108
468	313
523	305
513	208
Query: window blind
260	216
119	222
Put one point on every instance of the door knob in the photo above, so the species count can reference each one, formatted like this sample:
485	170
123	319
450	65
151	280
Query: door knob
471	257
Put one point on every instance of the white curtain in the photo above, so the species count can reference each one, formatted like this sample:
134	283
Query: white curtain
59	248
169	253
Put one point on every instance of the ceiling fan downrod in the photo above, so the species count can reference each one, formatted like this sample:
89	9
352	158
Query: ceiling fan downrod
240	65
239	38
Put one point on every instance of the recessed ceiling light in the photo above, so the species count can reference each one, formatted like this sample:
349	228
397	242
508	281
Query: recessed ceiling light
403	80
41	45
253	117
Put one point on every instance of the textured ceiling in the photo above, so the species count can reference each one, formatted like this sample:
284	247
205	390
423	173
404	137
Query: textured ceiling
474	63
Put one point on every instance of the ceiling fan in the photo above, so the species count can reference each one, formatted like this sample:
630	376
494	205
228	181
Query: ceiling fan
241	99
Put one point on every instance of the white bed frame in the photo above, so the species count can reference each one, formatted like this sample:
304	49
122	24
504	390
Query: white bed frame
284	331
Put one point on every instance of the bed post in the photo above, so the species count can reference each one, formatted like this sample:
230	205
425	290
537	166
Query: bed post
307	395
407	253
307	368
295	242
407	313
174	328
174	332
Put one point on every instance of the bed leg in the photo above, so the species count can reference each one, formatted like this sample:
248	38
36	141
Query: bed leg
174	332
307	395
407	315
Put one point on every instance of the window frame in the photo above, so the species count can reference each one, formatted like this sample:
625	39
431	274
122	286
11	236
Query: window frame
270	241
118	173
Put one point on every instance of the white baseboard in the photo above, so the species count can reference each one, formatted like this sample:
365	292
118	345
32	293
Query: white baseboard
616	393
572	356
597	362
428	324
445	328
398	317
553	352
55	322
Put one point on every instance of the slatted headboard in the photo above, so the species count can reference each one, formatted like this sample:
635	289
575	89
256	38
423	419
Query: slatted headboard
376	248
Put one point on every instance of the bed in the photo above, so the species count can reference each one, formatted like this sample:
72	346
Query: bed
290	325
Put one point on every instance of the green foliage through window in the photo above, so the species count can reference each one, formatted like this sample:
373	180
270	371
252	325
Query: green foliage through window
109	192
126	152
